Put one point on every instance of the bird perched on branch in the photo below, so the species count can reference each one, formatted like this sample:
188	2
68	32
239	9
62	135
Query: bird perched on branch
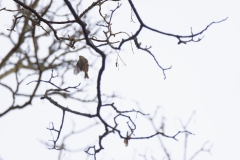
82	65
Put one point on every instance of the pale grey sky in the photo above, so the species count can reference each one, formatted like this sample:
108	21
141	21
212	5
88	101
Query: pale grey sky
205	78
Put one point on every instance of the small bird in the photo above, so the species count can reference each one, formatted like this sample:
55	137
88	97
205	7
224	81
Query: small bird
82	65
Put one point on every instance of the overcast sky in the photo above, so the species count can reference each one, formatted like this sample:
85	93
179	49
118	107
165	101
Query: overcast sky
205	78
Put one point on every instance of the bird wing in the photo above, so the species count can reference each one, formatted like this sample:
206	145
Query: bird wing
76	70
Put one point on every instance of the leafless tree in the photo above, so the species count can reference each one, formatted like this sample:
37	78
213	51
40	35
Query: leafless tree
68	29
166	150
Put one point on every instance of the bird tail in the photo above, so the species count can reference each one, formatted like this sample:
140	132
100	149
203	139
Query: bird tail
86	75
